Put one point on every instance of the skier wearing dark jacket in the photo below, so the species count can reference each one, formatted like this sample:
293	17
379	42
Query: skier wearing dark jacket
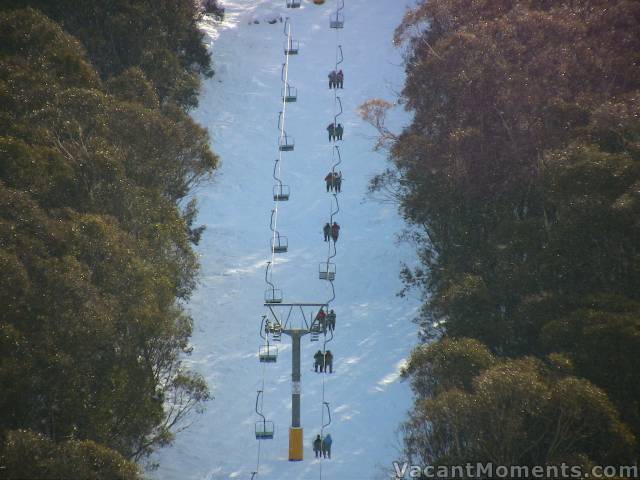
317	446
331	128
337	182
327	231
318	361
331	320
330	181
328	361
333	79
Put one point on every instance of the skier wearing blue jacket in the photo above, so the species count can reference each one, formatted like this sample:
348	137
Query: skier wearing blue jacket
326	446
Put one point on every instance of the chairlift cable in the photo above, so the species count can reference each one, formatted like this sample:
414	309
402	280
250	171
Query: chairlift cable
281	124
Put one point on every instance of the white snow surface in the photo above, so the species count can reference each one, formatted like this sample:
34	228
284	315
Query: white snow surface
374	332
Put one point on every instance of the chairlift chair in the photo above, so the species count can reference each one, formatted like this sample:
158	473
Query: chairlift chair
337	21
273	295
327	271
276	332
289	94
281	193
264	430
315	332
268	354
291	47
286	144
279	244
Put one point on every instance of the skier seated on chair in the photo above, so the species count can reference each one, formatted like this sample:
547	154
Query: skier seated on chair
317	446
335	231
338	131
327	231
330	181
333	79
318	361
331	320
326	446
331	128
322	320
321	316
337	181
339	79
328	361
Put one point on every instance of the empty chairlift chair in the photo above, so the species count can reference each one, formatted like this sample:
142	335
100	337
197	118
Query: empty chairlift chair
286	144
281	193
291	47
337	20
268	353
264	428
293	3
279	244
289	94
273	295
327	271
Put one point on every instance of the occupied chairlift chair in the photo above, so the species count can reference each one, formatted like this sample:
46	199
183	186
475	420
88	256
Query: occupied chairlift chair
264	428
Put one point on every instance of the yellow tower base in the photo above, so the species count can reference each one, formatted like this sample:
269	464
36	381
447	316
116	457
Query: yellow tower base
296	450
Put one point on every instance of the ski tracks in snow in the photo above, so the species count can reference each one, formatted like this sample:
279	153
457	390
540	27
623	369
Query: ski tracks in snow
374	332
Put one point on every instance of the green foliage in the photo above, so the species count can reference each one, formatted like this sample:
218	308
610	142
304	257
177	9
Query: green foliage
25	454
520	172
518	414
161	38
446	364
96	255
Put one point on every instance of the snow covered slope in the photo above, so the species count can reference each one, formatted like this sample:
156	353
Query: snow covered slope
374	330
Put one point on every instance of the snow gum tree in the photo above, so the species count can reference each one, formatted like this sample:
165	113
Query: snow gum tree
519	175
96	255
